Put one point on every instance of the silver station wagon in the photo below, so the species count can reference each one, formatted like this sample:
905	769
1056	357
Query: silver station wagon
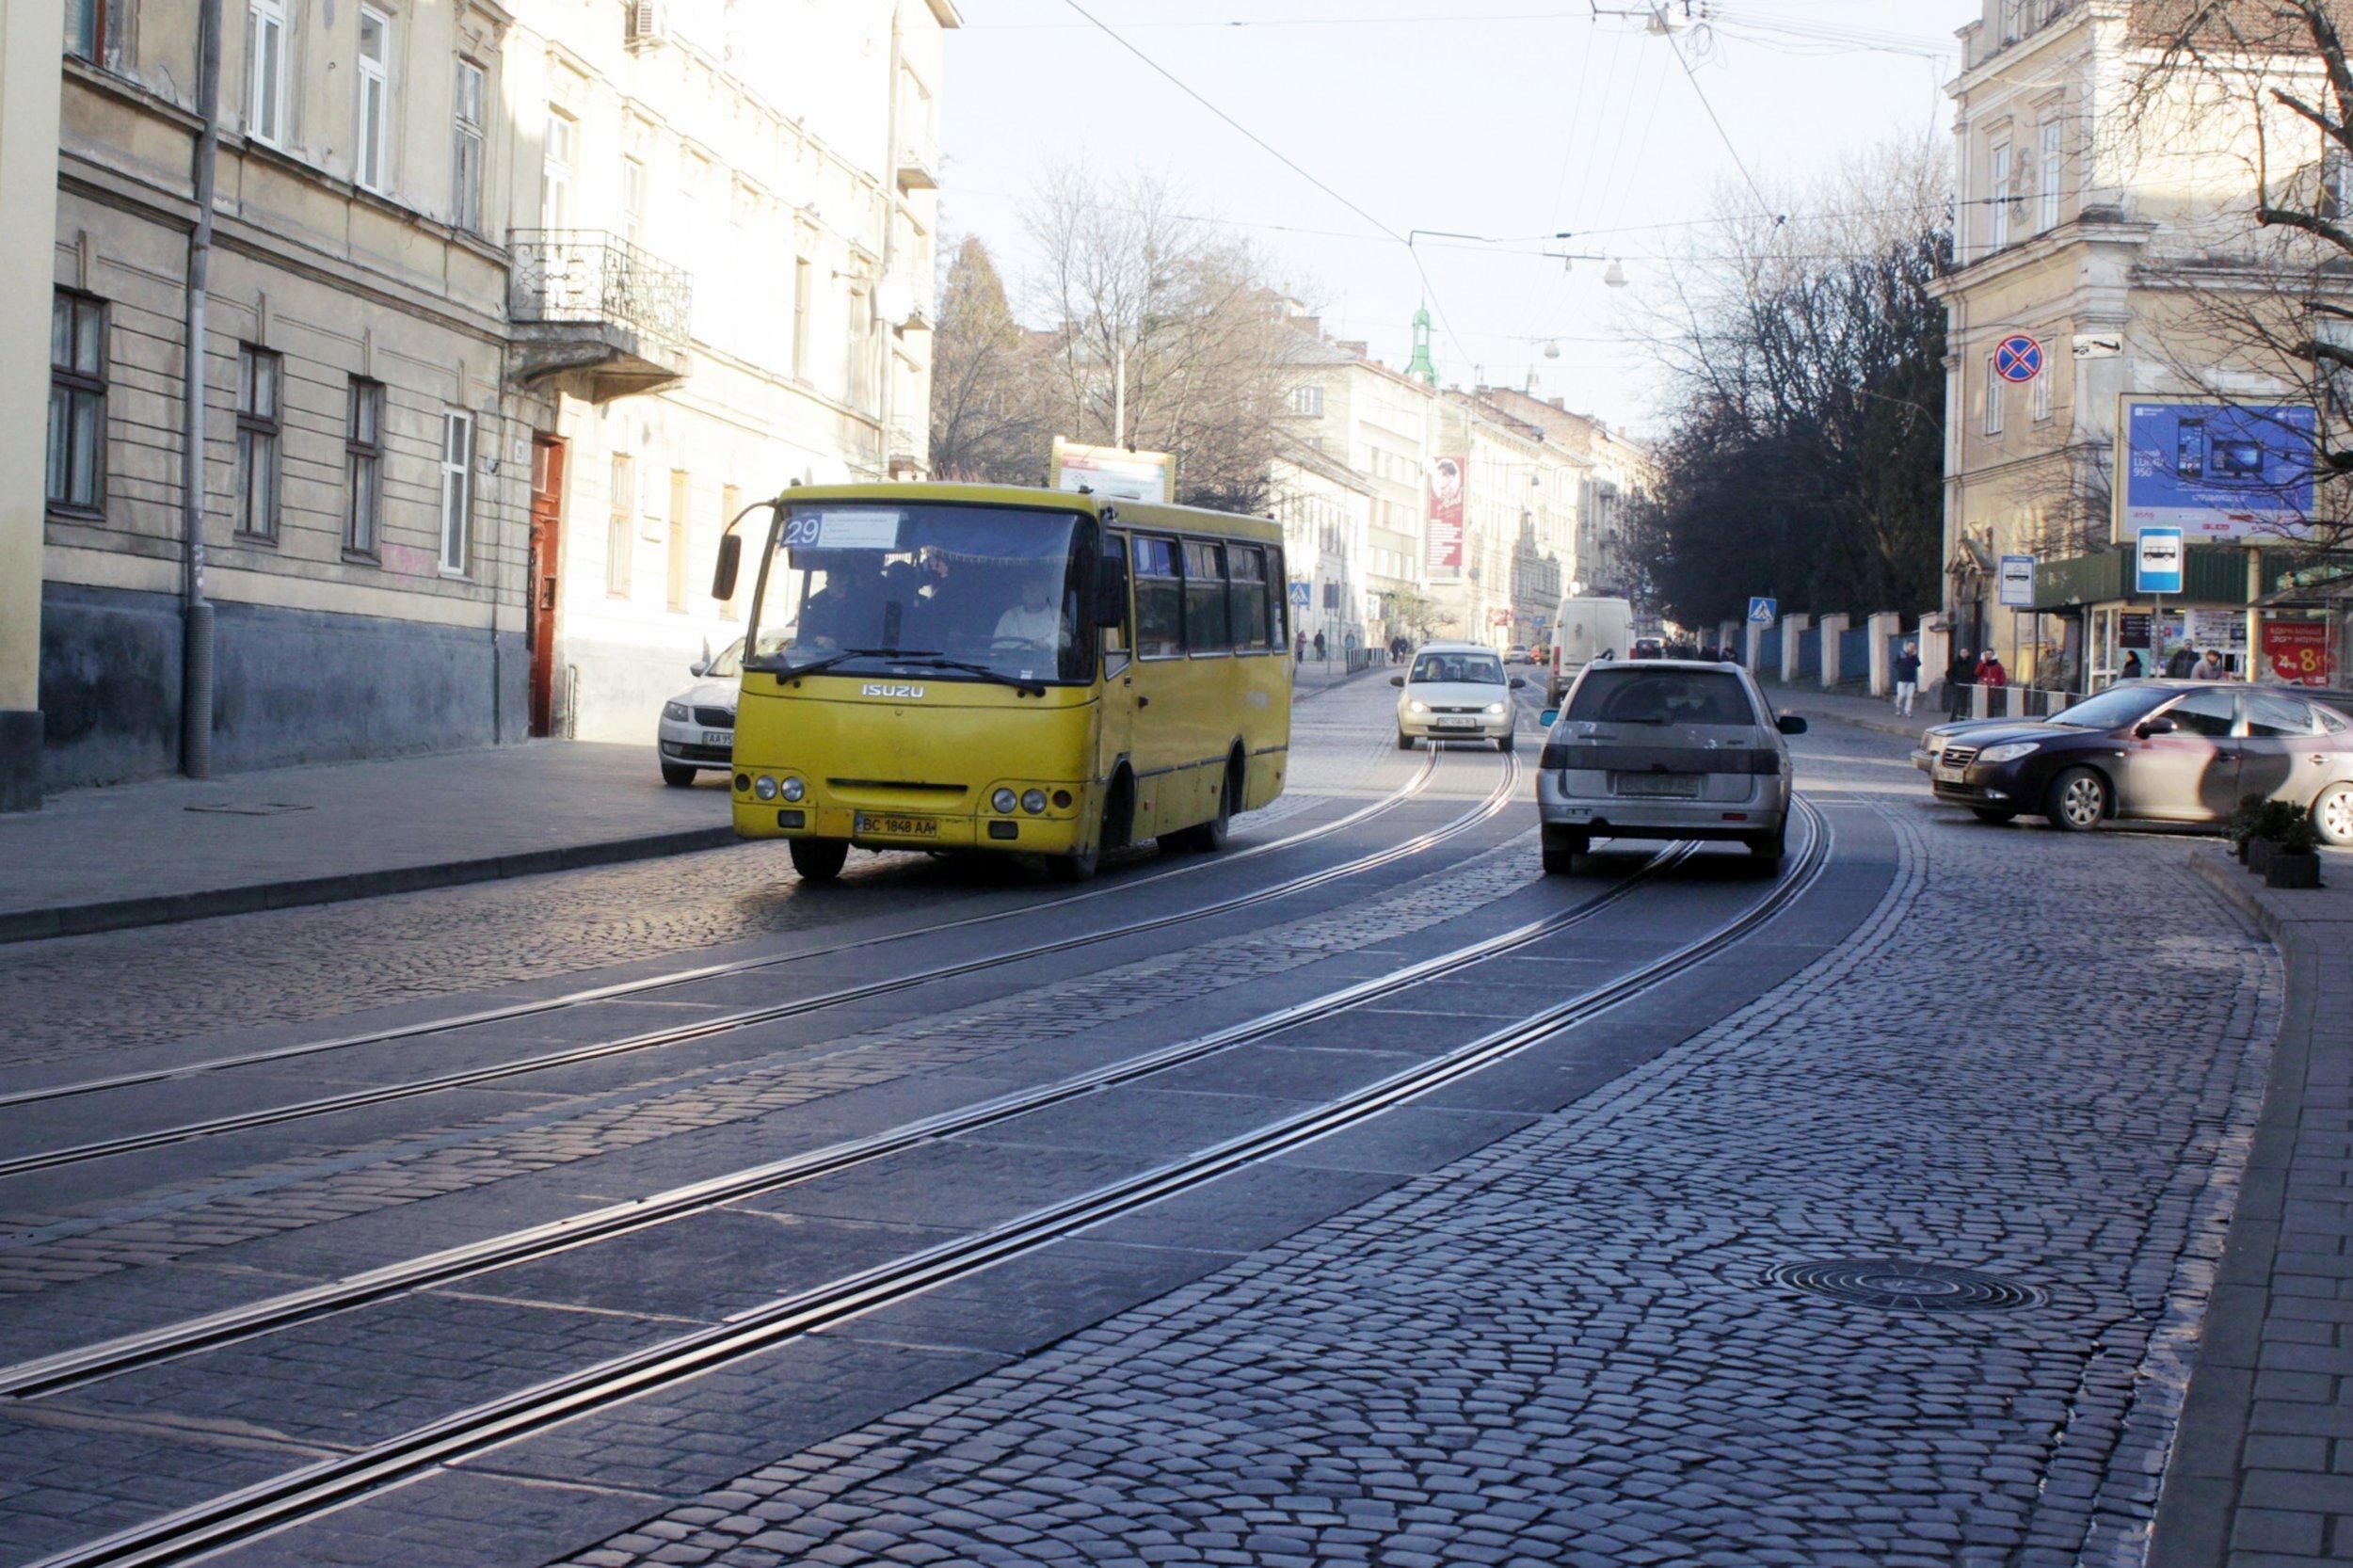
1664	749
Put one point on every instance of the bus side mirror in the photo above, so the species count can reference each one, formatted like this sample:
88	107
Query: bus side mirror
1110	594
1548	717
730	559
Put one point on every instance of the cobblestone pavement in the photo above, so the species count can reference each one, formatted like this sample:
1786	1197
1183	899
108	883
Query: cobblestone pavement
39	1252
165	983
1567	1347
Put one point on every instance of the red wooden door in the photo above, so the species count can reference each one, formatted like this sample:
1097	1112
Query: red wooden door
546	524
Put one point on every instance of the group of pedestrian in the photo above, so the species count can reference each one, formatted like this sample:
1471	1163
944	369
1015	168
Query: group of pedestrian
1964	671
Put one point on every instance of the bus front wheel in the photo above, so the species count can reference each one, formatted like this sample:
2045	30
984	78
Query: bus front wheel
819	860
1209	836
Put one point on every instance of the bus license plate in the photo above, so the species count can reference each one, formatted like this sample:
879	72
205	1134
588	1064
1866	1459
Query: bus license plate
898	828
1680	786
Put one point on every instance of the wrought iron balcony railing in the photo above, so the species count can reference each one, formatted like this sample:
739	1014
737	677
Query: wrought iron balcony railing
592	277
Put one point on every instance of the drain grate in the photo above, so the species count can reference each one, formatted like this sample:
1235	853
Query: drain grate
1904	1286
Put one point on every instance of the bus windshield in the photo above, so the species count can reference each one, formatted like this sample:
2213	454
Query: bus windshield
987	593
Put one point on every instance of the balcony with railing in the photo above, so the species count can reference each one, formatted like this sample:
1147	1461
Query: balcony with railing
594	315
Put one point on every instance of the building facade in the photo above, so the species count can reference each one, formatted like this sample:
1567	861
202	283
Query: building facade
2112	226
477	267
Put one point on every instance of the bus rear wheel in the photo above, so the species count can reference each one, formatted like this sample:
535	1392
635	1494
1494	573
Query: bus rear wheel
819	860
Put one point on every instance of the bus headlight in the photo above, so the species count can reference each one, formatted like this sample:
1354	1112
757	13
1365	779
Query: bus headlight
1033	801
1003	800
794	789
764	786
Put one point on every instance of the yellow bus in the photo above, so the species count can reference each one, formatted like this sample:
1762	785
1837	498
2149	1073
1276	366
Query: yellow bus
968	668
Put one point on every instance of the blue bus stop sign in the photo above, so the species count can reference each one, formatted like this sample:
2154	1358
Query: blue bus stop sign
2157	561
1761	611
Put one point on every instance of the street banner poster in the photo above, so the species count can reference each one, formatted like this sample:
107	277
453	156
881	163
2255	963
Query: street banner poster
2216	470
2017	583
2297	652
2224	630
1444	542
1113	472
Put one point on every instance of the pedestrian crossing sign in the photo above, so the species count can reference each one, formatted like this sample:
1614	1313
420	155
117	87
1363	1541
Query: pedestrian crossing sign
1761	611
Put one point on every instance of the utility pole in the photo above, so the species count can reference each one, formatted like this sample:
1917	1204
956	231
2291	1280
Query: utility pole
196	658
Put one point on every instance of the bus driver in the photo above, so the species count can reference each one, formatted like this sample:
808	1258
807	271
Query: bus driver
1033	620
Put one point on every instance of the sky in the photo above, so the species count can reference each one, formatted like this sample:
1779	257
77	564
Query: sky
1511	120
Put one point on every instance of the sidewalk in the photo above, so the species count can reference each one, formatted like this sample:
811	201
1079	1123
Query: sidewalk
1866	713
2251	1482
178	849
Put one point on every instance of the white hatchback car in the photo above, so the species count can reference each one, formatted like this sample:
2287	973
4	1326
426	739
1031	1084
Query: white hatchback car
1456	692
698	729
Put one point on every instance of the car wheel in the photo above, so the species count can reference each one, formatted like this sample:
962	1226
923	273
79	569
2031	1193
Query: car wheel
1506	741
676	776
819	860
1561	854
2076	801
1994	814
2332	815
1404	742
1766	849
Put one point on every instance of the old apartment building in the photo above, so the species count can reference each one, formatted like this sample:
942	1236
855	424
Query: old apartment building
511	302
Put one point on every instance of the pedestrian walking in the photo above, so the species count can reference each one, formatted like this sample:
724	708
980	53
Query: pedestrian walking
1300	652
2209	668
1318	645
2132	670
2184	660
1349	645
1960	676
1907	678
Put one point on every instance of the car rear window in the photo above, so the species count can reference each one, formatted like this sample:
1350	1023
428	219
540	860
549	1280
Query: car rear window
1659	696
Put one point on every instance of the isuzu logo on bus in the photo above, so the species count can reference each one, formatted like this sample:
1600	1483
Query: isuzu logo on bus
876	688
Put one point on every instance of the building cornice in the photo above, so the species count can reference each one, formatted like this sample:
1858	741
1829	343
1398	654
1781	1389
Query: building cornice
2047	247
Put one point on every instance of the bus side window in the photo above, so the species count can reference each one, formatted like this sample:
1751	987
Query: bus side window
1160	599
1247	566
1205	599
1278	597
1115	637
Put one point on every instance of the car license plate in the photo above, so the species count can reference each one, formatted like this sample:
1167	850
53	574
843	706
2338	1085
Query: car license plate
1458	723
897	827
1678	786
718	737
1950	776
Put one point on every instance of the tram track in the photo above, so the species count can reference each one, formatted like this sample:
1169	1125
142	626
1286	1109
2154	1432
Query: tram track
1413	787
55	1158
241	1515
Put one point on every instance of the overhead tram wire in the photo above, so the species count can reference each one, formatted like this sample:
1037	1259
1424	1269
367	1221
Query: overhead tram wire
1287	161
1764	206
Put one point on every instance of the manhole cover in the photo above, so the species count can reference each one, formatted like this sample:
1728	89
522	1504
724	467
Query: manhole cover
1904	1286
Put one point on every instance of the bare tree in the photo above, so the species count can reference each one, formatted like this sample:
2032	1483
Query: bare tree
988	379
1164	335
2256	96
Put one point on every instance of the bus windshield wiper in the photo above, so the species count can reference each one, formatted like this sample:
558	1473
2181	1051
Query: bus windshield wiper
1027	688
818	666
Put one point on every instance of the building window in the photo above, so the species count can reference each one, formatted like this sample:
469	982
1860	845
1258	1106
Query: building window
1308	400
2054	166
801	271
375	98
1993	385
266	69
634	200
364	467
619	530
257	442
2003	189
466	160
555	187
86	30
675	595
77	400
858	372
2039	399
457	492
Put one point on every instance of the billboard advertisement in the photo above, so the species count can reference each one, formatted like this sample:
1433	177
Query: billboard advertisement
2297	652
2216	470
1444	551
1115	471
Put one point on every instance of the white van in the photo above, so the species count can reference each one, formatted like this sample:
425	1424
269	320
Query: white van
1585	629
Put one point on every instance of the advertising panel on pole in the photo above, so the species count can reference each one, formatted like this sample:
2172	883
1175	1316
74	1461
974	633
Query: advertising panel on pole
1113	472
2216	470
2297	652
2157	561
2017	583
1445	540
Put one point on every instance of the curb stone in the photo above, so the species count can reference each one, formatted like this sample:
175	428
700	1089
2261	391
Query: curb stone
80	920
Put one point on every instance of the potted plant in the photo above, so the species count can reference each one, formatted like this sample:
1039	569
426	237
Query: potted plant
2243	823
2274	820
2295	857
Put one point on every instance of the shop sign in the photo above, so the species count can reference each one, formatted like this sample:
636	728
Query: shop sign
2297	652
